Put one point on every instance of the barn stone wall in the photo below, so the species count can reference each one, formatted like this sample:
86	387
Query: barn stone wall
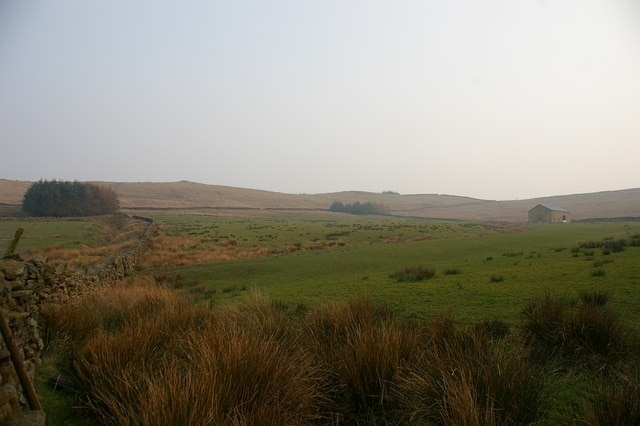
25	286
543	214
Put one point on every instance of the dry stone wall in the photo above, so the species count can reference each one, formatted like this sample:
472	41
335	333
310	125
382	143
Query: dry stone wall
27	285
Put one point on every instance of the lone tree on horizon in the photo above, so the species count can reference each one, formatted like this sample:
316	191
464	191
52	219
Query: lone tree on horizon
62	199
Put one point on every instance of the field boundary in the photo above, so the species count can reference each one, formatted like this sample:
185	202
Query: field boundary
27	286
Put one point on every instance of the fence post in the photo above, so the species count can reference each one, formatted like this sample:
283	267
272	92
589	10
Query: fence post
18	363
14	243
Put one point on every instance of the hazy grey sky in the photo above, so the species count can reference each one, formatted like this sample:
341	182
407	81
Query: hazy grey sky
490	99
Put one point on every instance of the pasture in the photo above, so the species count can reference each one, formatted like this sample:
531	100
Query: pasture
482	270
323	272
46	233
71	243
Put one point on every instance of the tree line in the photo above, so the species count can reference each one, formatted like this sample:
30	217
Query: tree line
63	198
359	208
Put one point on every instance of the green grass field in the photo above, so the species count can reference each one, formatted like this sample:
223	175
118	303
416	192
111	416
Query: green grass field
43	233
482	270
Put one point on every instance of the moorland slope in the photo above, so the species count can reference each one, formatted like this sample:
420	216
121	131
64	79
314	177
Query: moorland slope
187	196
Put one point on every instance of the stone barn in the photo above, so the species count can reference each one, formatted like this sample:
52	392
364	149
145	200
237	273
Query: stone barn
543	213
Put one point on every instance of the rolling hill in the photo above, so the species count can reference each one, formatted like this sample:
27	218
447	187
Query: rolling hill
202	198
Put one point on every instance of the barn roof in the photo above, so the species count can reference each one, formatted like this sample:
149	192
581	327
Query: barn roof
554	208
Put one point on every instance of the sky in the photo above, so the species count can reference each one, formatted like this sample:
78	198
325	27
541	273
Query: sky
500	100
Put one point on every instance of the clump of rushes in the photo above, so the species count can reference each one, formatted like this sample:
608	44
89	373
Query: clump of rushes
616	403
581	334
493	328
245	364
465	378
360	345
139	354
413	273
594	298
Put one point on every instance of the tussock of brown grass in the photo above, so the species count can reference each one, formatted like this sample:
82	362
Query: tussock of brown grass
617	403
253	375
581	335
361	346
74	258
142	356
114	308
168	250
465	379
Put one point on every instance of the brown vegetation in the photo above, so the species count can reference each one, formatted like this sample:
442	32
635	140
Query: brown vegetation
139	354
117	232
168	250
171	250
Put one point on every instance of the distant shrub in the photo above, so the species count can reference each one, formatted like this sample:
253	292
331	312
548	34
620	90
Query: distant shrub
512	254
601	262
334	235
414	273
452	271
358	208
61	199
590	244
610	243
615	246
598	273
496	278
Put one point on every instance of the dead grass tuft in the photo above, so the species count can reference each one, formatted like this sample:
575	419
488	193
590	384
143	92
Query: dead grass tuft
166	250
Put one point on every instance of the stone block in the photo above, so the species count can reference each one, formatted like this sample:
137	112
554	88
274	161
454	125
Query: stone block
12	269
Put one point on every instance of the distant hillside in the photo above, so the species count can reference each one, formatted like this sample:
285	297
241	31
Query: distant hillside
140	196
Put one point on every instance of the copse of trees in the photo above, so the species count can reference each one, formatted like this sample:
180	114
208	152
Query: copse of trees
358	208
61	198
